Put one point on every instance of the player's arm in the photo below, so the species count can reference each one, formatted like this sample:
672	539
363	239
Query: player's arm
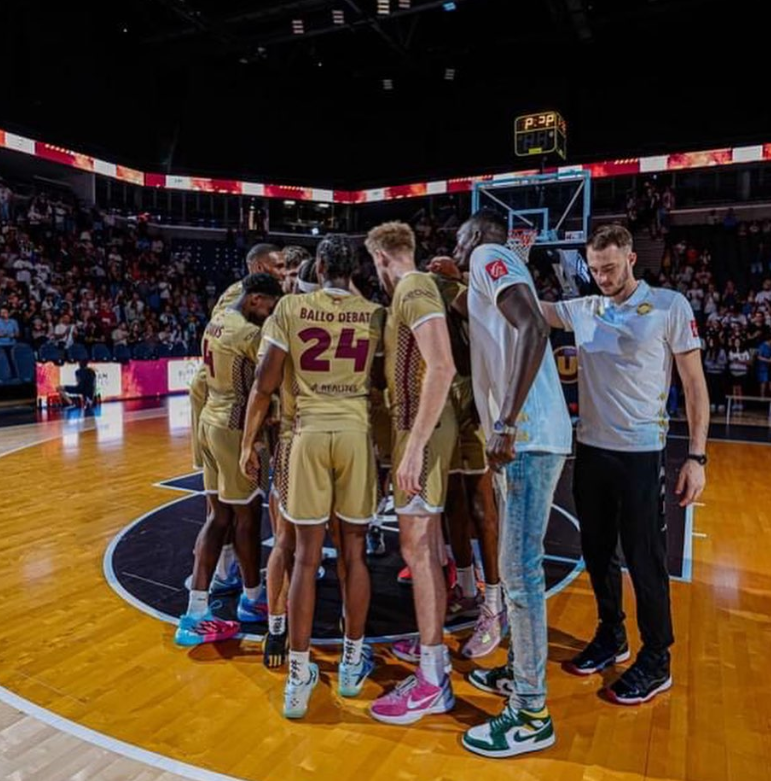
692	479
518	305
270	372
377	375
198	391
433	341
551	315
460	304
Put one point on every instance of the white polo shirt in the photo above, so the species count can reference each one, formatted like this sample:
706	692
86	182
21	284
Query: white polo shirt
543	424
625	364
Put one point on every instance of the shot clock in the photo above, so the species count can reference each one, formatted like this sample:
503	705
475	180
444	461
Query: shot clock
541	134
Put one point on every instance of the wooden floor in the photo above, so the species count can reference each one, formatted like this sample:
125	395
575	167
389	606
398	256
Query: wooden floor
106	694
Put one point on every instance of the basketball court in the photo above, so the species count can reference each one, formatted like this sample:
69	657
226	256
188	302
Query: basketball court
98	543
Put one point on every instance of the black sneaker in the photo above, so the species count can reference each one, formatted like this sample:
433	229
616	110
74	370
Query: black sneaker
608	647
274	650
647	677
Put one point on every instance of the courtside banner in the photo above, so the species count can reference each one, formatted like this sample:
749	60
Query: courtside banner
132	380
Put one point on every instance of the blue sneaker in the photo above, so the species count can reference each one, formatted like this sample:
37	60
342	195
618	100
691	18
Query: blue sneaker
206	629
352	676
297	695
232	584
253	610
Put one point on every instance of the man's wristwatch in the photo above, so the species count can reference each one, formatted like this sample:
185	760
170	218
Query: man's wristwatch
499	427
699	459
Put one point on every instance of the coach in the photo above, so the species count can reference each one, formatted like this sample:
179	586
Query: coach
626	339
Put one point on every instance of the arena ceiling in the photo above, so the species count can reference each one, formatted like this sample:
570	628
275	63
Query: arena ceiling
227	87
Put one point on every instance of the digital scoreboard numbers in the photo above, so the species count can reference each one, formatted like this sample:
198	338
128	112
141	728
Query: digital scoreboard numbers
544	133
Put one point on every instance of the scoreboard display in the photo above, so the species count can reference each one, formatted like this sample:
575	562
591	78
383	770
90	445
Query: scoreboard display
543	133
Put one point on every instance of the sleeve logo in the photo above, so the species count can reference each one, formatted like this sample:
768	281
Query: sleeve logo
694	329
496	269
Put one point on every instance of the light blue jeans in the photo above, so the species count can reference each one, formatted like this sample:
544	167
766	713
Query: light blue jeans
528	486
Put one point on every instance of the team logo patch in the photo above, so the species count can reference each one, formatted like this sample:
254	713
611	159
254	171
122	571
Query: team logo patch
643	309
496	269
567	364
694	329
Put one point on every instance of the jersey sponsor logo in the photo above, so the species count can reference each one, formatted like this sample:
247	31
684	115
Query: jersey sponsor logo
644	308
419	293
496	269
694	329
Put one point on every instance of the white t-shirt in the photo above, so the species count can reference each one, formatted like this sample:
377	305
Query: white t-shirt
763	296
625	364
544	423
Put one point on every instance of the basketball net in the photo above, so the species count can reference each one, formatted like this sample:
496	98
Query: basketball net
520	242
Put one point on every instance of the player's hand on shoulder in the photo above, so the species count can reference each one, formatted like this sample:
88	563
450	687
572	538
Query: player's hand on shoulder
445	266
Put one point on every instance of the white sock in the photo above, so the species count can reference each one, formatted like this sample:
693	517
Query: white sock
227	556
432	663
198	603
352	650
252	593
277	624
299	666
467	581
493	598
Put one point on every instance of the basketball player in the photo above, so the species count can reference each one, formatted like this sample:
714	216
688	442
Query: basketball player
229	348
281	558
420	370
469	493
261	258
471	489
627	339
293	257
330	338
516	381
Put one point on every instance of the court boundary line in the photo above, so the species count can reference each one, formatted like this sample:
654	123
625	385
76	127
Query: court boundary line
107	742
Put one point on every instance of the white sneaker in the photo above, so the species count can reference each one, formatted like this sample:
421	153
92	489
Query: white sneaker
297	695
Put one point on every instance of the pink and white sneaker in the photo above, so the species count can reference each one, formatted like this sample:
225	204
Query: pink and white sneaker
408	650
412	699
489	631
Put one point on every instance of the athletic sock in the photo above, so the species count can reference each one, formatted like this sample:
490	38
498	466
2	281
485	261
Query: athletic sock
198	604
299	666
352	650
252	593
277	624
493	598
432	663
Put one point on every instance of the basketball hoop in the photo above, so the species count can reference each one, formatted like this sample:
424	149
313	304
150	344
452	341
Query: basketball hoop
521	240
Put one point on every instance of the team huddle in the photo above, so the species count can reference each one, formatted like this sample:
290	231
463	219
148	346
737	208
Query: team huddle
346	399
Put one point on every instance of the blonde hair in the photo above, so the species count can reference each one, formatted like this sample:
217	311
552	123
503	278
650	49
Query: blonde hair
391	237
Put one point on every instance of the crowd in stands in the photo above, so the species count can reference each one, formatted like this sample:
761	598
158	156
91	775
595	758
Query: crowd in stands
70	276
724	270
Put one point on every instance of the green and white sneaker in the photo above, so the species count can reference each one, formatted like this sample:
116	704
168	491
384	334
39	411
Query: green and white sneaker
495	680
513	732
